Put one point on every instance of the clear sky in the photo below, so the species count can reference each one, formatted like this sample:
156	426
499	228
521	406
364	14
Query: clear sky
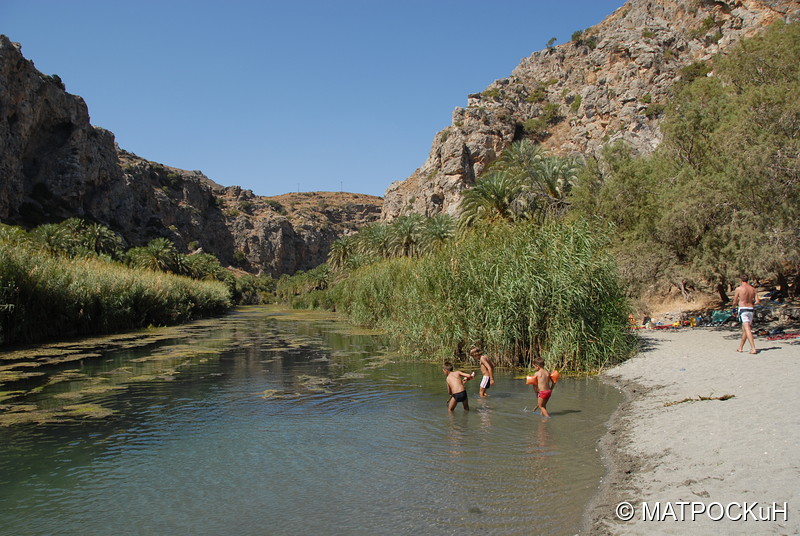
285	96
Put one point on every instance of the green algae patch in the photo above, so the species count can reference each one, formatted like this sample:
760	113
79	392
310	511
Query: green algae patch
307	379
70	357
7	376
306	315
87	411
143	378
66	376
22	416
69	395
18	414
379	361
358	331
353	375
97	389
186	352
272	394
8	395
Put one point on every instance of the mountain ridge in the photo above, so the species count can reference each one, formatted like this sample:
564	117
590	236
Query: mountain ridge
609	83
55	165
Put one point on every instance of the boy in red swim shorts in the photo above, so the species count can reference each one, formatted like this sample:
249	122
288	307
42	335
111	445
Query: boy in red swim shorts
543	386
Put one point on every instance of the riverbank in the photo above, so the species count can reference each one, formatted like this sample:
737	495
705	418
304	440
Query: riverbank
664	445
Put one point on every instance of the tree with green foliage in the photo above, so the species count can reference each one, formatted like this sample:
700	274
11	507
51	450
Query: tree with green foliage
495	197
524	183
436	232
406	235
374	240
341	250
159	254
719	196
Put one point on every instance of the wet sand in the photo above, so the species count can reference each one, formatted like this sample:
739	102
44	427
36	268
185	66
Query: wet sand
662	448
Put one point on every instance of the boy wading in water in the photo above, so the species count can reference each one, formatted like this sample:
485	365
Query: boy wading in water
543	386
746	298
487	368
455	386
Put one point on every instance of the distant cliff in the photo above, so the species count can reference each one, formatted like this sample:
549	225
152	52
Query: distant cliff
609	83
54	165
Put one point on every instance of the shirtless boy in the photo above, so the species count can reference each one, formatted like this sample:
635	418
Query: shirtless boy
455	386
487	368
746	298
543	386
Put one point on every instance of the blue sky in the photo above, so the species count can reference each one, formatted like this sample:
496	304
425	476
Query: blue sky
278	96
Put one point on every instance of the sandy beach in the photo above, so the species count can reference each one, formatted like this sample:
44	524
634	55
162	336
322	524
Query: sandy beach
682	464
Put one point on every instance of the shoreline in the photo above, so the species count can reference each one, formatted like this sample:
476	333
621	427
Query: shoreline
663	445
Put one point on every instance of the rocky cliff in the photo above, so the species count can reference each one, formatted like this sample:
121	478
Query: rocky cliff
54	165
609	83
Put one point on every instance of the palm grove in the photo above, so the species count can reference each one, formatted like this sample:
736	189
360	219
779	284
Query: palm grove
548	252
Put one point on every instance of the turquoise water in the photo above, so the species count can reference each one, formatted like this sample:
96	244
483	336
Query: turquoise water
287	425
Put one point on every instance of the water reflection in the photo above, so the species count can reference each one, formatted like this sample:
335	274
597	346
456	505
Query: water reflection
282	424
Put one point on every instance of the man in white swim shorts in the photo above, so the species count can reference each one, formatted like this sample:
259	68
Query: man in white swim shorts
746	298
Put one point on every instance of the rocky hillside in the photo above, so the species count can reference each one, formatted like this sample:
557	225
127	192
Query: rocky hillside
54	165
610	82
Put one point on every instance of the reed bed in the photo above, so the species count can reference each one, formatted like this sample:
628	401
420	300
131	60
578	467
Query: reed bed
45	296
519	291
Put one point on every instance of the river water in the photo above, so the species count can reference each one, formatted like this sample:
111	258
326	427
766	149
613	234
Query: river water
270	422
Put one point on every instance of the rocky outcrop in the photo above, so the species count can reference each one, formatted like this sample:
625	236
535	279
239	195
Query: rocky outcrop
54	165
609	83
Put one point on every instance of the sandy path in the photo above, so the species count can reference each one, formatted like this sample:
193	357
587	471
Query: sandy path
742	450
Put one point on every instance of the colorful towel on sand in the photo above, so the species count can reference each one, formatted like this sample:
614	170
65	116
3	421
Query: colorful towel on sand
783	336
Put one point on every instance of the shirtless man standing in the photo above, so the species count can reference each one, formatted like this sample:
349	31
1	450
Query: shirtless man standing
746	298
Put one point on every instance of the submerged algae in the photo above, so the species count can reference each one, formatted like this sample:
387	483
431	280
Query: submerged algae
45	391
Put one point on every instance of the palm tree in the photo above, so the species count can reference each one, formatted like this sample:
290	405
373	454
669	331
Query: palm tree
374	240
54	238
554	180
521	159
340	251
492	198
158	254
437	230
406	233
203	266
523	183
12	235
100	239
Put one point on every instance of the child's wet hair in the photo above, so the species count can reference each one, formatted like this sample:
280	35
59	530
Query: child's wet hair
539	362
448	366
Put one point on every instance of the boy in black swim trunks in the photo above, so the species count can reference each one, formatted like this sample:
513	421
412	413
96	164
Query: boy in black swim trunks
455	386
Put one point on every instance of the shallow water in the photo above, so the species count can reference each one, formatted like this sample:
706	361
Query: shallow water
294	424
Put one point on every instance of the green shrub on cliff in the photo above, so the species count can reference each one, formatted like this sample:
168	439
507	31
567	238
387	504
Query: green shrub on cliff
719	196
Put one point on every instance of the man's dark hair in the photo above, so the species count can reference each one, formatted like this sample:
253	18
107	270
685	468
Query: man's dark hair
448	366
744	277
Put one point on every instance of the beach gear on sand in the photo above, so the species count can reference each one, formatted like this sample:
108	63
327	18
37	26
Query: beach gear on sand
554	376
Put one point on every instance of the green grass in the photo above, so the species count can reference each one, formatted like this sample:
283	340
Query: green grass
517	290
45	296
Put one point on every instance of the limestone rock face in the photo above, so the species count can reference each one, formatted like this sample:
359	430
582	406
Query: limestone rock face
576	97
55	165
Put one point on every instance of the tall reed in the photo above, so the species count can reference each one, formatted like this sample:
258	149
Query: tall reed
518	290
44	296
